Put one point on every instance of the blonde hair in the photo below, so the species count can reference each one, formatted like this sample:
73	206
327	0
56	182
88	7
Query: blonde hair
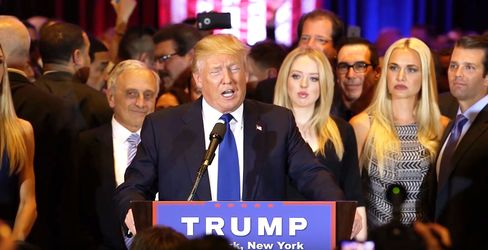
218	44
12	141
325	127
382	138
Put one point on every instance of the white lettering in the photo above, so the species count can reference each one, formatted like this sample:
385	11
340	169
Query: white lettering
214	224
254	245
189	221
284	245
276	227
234	226
297	224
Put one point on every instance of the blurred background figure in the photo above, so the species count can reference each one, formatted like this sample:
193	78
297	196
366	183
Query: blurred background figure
158	238
321	29
99	64
264	62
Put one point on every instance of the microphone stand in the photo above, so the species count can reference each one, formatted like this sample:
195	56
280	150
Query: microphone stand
201	170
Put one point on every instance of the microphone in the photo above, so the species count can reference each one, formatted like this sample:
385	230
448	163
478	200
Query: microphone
216	137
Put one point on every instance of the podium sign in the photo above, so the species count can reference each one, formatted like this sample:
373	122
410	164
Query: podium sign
252	224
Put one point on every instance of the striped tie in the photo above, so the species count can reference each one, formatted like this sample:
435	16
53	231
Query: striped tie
133	141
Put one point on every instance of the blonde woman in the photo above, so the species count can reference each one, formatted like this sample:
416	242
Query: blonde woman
17	185
398	134
305	85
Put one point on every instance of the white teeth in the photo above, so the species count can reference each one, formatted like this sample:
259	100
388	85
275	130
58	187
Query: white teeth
228	93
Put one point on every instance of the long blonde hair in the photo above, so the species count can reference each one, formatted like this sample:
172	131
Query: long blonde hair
12	141
325	127
382	138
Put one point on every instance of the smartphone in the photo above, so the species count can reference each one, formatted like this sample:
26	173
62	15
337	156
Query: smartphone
213	20
357	245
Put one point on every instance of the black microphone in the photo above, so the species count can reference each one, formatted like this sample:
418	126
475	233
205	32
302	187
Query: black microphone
216	137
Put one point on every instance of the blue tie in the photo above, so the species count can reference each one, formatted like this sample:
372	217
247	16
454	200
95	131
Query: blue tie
445	166
228	188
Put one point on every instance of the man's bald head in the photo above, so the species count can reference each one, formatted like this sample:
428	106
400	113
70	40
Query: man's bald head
15	40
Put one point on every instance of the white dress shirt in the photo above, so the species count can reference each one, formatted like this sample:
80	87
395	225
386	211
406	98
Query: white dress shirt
121	149
210	117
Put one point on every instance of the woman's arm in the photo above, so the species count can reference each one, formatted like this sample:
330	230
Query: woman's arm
27	212
361	124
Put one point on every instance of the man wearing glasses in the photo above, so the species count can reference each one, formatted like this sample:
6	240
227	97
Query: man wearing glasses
321	29
173	53
357	72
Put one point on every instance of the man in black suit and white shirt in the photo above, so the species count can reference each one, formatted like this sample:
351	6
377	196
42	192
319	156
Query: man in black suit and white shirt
103	153
463	171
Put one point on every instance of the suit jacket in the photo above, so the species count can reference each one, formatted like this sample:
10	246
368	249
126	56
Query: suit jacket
173	144
100	225
91	106
448	105
458	200
49	117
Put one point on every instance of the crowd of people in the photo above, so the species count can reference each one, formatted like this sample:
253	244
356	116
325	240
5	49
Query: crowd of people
88	125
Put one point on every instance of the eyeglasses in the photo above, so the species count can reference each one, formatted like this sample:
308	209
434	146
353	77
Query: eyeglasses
165	58
358	67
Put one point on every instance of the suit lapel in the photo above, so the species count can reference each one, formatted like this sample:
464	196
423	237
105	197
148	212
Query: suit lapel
479	125
254	130
193	131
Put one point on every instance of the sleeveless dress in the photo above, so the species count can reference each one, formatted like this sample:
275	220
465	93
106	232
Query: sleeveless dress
407	168
9	193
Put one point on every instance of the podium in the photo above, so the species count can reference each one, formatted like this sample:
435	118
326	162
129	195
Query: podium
307	224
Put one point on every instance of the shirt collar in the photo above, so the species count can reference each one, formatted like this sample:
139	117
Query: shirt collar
120	133
211	114
473	111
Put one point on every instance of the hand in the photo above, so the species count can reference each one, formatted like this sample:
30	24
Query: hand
123	9
435	236
129	222
357	225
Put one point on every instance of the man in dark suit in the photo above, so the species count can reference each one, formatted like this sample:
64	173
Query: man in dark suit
463	170
64	51
103	152
269	145
52	131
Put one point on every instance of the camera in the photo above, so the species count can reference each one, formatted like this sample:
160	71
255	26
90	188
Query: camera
213	20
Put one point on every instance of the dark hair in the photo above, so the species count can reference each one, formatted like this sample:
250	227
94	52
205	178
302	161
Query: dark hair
135	41
337	24
207	242
58	41
358	40
185	36
476	42
95	46
157	238
268	54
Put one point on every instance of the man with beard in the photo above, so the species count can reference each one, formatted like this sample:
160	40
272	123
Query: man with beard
64	51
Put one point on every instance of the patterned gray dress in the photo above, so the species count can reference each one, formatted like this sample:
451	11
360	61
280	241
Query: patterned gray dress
408	169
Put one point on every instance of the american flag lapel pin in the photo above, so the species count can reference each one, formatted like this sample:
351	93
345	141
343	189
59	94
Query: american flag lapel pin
259	127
